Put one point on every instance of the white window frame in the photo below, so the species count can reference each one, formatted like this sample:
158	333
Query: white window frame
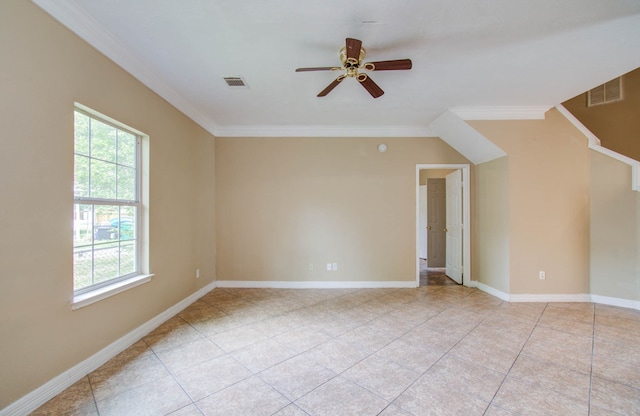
86	296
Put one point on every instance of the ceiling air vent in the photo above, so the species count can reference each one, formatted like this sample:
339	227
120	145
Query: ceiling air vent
605	93
235	82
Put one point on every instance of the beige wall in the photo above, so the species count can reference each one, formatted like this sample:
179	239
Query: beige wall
615	124
615	230
491	260
285	203
45	68
548	203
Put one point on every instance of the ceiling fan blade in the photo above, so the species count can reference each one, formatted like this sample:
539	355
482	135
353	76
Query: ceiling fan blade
318	68
388	65
353	48
370	86
331	86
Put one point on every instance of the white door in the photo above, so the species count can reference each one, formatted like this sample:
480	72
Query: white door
422	226
454	226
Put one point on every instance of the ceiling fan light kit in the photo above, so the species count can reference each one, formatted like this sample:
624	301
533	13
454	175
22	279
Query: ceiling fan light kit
352	58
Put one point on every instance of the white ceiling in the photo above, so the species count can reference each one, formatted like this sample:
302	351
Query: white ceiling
467	54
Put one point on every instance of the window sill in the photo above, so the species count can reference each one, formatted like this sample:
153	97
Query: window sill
86	299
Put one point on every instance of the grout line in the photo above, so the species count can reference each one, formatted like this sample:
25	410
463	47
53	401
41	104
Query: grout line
516	360
452	302
441	357
593	345
95	402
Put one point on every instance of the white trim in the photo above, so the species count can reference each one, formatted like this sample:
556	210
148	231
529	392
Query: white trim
532	112
623	303
94	296
578	297
324	131
459	134
584	297
494	292
594	144
592	139
58	384
105	118
317	284
466	218
92	32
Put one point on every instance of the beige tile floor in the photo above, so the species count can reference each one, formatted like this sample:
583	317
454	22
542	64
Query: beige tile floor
427	351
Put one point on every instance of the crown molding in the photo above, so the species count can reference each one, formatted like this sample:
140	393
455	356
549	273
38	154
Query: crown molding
323	131
88	29
91	31
535	112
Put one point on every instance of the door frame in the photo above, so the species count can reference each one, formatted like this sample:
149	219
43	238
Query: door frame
422	215
466	218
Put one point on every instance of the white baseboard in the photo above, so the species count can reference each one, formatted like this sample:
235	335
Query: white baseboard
495	292
623	303
354	284
58	384
578	297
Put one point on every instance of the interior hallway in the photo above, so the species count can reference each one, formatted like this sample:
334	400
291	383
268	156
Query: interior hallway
431	350
434	276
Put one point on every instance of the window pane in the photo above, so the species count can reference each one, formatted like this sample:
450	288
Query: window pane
103	179
105	259
82	225
105	251
82	267
81	129
82	249
104	230
127	257
81	174
127	223
126	183
126	148
103	141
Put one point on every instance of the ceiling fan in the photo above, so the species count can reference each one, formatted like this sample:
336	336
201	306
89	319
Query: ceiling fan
352	56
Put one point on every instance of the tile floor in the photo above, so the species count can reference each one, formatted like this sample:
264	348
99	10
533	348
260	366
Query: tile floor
438	350
434	276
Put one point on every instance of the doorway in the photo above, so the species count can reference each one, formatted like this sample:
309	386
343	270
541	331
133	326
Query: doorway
443	244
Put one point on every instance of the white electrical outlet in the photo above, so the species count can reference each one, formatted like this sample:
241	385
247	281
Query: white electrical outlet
197	273
542	275
334	266
329	267
310	267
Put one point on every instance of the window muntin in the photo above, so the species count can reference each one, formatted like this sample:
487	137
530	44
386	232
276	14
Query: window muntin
107	203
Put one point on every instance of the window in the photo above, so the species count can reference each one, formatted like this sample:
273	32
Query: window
107	207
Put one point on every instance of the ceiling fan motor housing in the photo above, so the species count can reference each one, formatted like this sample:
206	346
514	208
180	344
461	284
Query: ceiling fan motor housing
351	64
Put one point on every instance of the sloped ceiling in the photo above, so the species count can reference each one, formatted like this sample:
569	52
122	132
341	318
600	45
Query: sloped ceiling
469	55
